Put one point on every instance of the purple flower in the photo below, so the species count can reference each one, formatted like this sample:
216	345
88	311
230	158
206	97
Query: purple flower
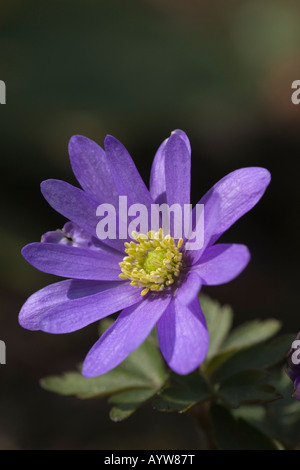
293	366
168	276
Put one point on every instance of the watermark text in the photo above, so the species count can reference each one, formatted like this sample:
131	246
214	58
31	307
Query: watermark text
2	92
176	220
2	352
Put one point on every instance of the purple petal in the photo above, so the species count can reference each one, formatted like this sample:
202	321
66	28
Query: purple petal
92	169
239	192
222	263
70	234
78	313
79	237
73	235
131	328
53	295
177	171
56	236
211	220
69	261
158	175
77	206
72	203
183	336
127	179
184	137
190	288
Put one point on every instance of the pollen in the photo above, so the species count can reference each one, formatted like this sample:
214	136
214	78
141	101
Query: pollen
153	261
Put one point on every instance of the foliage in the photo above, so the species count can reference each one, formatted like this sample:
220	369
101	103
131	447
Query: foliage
240	395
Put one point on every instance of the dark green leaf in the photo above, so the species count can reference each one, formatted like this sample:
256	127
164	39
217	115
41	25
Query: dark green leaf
251	333
280	419
260	356
242	337
215	362
236	434
190	389
247	387
126	403
219	321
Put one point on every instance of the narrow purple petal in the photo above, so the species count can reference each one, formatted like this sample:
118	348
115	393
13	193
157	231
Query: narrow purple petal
184	137
222	263
78	313
92	169
77	206
183	336
72	203
211	218
190	288
74	262
127	179
56	294
177	171
131	328
239	192
158	174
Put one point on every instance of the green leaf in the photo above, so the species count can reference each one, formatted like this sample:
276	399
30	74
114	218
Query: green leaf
224	344
73	383
230	433
251	333
260	356
215	362
219	321
280	419
242	337
128	402
135	381
247	387
188	391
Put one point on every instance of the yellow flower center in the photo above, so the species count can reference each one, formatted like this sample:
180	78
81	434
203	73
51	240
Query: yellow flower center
153	261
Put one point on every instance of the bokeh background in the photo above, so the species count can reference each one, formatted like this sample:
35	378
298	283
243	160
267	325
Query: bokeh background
222	71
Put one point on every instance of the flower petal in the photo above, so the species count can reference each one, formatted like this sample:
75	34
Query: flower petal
184	137
211	218
239	191
92	169
78	313
190	288
131	328
222	263
74	262
177	171
77	206
72	203
127	179
158	174
183	336
73	235
57	294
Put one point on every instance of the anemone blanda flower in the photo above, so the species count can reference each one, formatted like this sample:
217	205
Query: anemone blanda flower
96	287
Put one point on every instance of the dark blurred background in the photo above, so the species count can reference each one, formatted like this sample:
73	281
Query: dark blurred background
221	71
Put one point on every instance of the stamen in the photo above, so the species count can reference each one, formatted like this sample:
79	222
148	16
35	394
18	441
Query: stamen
153	261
